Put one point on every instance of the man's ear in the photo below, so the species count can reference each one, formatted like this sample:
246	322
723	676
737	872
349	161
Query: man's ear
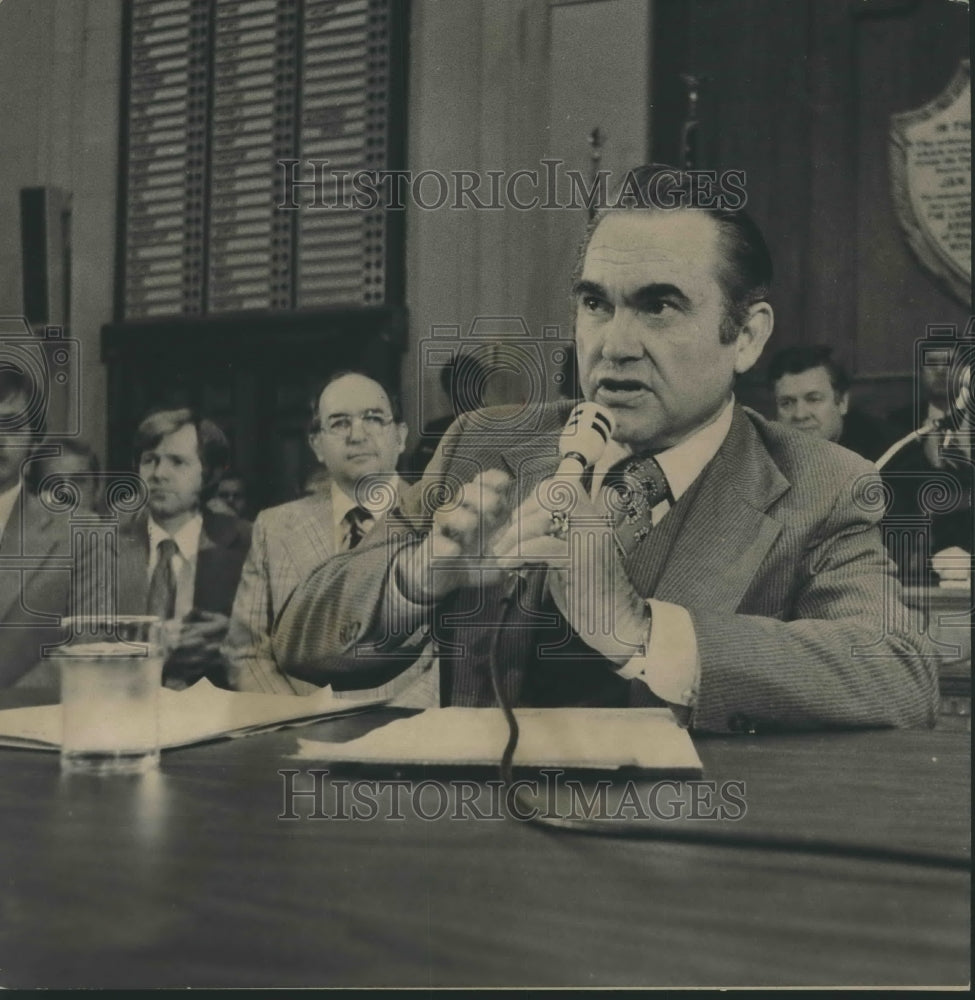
843	403
314	442
753	335
401	432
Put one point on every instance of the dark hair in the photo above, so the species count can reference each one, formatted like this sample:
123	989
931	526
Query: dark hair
795	360
67	446
316	397
15	383
463	381
745	272
211	442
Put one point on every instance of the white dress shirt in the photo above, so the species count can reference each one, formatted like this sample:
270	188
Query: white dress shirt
187	539
342	503
669	664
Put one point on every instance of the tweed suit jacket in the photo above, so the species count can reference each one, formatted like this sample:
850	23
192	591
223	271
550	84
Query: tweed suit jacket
35	588
289	542
774	551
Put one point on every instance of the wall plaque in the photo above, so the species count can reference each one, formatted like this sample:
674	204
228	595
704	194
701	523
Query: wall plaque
931	182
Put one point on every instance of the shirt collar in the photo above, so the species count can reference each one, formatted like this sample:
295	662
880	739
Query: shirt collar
342	503
683	462
187	538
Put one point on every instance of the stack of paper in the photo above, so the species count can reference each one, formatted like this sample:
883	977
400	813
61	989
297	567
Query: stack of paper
604	738
201	712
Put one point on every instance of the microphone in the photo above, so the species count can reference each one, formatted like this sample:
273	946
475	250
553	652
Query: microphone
944	424
582	442
584	438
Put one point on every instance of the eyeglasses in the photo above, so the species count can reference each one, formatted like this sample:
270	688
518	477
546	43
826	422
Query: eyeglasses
340	425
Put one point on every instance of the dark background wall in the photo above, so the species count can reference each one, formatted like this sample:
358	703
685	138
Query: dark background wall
799	95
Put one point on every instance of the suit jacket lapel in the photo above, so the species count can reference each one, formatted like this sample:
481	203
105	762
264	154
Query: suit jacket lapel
710	546
724	533
312	536
132	563
29	533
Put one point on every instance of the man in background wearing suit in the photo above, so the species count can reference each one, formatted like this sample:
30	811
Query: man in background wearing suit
812	394
751	591
177	559
35	581
357	434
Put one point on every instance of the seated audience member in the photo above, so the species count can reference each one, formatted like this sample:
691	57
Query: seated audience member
176	558
357	435
34	540
230	497
812	394
930	478
76	465
733	577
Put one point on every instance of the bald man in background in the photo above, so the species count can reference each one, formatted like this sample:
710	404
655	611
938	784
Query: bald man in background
357	434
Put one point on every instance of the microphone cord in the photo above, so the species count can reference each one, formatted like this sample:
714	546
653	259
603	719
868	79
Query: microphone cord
899	446
632	831
508	599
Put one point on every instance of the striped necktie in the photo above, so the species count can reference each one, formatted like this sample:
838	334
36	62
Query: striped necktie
161	600
356	523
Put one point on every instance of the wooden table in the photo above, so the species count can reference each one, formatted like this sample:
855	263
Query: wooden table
189	878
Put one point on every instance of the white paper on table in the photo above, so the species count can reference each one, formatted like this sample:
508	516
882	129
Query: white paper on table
604	738
201	712
953	567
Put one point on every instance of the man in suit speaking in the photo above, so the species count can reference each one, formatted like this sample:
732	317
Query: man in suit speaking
745	585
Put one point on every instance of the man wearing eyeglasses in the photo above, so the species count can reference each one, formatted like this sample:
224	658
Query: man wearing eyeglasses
358	435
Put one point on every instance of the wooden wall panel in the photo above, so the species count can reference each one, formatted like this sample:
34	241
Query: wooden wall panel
800	95
904	60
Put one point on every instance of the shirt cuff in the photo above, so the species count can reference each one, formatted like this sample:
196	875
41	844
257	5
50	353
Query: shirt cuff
669	664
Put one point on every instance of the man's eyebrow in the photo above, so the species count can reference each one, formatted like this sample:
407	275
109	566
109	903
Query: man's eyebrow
584	287
656	292
368	409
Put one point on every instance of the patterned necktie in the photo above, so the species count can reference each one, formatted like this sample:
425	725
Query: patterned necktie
636	485
162	585
356	524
